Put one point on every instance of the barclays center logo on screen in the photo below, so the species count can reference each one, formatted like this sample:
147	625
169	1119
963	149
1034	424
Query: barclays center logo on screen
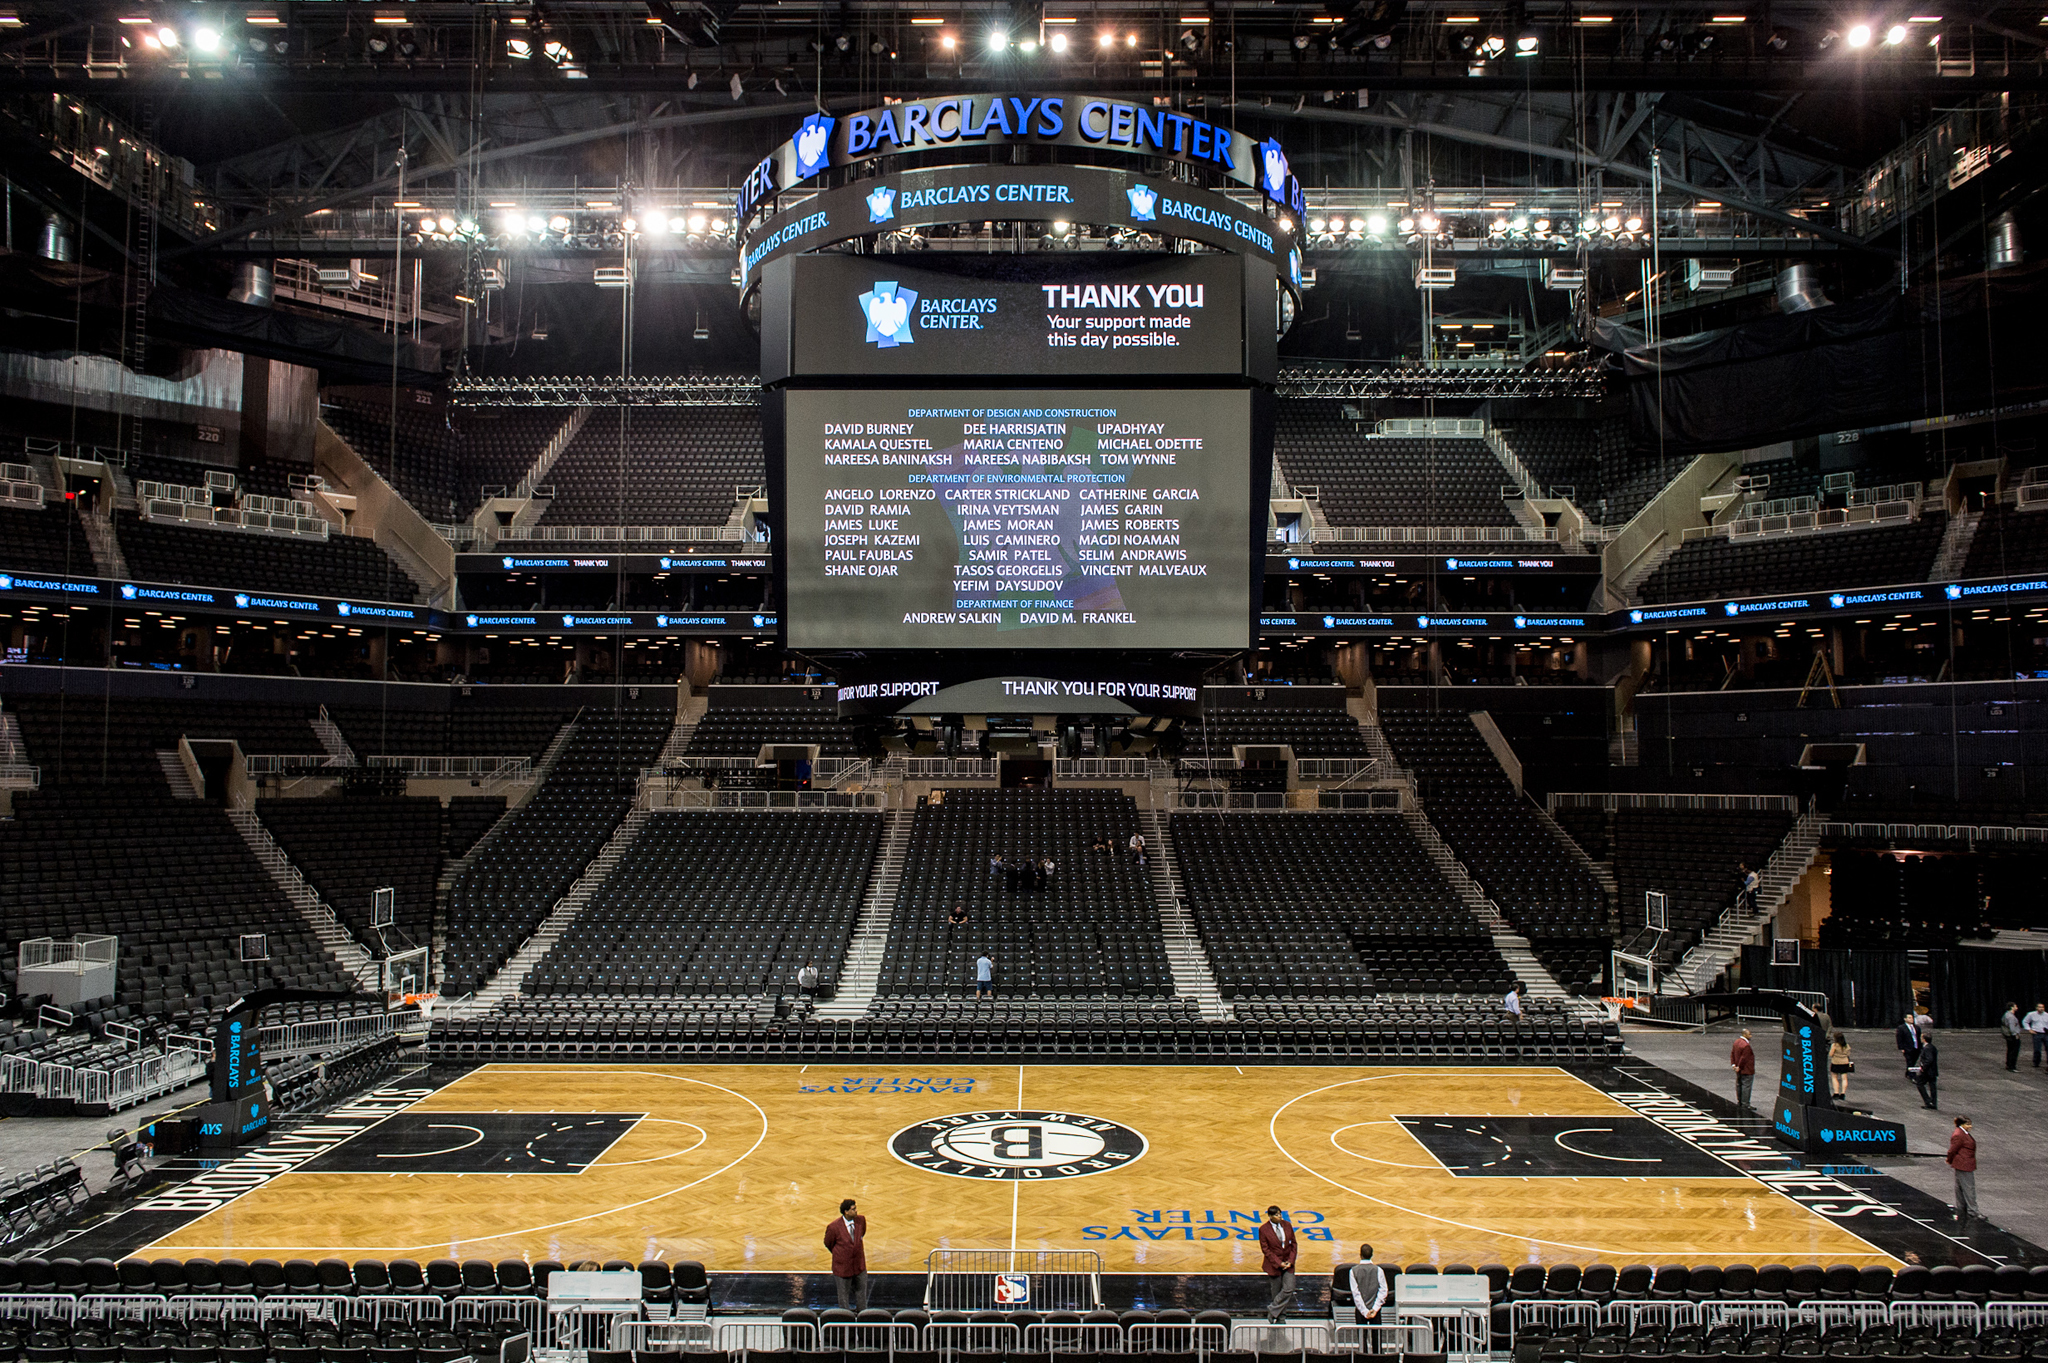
888	310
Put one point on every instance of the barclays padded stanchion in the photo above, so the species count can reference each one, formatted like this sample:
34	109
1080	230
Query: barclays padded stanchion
1804	1115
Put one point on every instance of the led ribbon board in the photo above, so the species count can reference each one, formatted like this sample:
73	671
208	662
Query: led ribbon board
824	141
1093	195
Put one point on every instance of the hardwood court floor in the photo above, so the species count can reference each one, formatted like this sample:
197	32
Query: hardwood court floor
1161	1169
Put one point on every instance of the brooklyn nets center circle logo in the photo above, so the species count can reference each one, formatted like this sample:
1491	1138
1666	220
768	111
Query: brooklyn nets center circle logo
1017	1145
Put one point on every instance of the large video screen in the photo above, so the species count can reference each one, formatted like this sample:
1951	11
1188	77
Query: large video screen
1018	519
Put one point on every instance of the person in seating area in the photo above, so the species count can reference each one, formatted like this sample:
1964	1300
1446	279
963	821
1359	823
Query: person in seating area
984	976
958	917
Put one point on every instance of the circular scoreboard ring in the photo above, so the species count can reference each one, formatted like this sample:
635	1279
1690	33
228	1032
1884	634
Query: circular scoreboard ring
1095	196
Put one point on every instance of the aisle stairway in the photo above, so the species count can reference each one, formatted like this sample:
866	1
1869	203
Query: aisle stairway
862	968
1186	958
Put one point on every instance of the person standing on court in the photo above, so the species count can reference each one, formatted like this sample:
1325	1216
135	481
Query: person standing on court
1926	1070
1368	1287
2036	1024
1962	1157
1742	1059
1841	1064
1907	1038
2009	1027
1279	1248
846	1237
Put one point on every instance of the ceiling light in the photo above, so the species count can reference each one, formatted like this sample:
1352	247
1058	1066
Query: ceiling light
998	40
946	41
926	20
1105	39
167	35
1895	35
1057	42
1859	36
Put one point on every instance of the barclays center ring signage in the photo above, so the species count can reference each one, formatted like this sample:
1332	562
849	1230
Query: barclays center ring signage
1017	1146
824	141
1091	195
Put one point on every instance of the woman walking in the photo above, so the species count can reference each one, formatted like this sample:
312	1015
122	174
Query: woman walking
1840	1067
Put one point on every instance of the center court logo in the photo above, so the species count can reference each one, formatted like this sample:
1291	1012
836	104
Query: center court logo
1017	1145
888	311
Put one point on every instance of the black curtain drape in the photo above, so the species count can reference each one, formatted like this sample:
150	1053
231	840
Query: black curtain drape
1864	988
1972	985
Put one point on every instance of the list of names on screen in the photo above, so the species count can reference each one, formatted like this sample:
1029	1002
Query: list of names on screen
1019	519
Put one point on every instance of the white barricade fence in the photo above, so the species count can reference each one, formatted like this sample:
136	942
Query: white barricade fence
1935	1315
1401	1337
869	1337
1177	1338
1299	1337
1056	1279
1860	1315
2016	1315
1072	1338
31	1306
799	1336
1650	1315
966	1337
1552	1317
663	1336
1748	1315
121	1310
1101	769
526	1314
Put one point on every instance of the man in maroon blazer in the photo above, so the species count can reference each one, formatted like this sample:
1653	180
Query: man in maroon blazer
1279	1248
846	1236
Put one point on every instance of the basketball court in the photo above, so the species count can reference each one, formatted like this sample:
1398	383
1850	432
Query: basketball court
1160	1170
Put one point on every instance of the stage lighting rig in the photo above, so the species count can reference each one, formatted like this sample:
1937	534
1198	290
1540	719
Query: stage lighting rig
1364	23
692	25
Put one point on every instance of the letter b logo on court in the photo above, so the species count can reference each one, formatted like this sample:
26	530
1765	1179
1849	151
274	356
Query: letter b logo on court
1009	1146
1026	1143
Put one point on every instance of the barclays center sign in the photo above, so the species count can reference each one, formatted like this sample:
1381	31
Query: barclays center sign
824	141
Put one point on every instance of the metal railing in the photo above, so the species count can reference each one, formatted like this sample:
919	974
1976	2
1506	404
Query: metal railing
1525	1317
968	1279
949	768
1101	769
624	534
492	770
329	1034
1925	832
1434	534
93	949
667	794
1833	518
1608	799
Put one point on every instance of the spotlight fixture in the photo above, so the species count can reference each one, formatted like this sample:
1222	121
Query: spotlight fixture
1895	35
998	40
1494	45
1859	35
206	39
1057	42
1105	39
1527	42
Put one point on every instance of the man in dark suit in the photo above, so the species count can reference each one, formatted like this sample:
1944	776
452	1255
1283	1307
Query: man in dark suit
1279	1248
1926	1070
846	1236
1907	1038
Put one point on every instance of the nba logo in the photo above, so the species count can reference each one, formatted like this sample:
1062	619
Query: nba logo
1013	1289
